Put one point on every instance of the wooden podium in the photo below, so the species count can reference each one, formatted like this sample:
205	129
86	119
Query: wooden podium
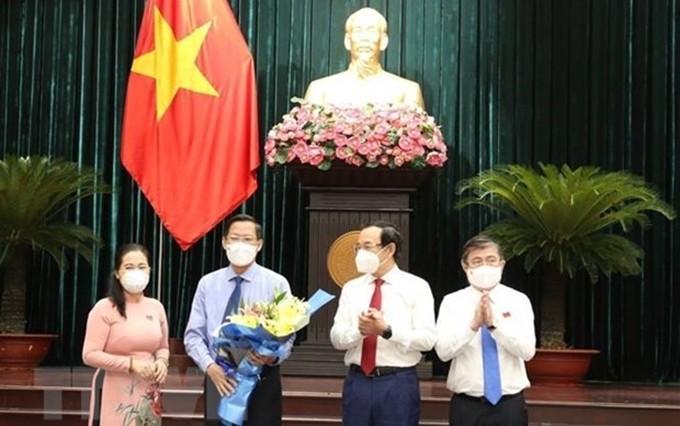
339	201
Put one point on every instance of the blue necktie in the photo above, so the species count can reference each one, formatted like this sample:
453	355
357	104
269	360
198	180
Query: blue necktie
492	371
234	299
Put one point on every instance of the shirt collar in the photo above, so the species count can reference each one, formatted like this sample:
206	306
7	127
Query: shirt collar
388	277
248	275
494	291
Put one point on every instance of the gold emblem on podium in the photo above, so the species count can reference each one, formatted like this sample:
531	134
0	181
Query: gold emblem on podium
340	259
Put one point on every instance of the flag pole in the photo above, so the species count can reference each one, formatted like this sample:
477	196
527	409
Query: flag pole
159	268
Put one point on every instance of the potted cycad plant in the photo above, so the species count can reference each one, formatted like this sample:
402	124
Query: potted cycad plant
35	193
569	220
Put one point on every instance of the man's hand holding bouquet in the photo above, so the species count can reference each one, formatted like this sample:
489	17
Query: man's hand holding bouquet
266	331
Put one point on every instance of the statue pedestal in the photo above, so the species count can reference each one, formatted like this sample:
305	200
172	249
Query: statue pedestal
340	201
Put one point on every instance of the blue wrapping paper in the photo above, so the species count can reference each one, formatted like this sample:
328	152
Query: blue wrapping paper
318	300
233	408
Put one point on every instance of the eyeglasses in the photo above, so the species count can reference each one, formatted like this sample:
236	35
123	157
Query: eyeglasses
237	239
368	247
476	262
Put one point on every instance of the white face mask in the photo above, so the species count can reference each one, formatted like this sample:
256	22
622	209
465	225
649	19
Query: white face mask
134	281
241	254
485	277
367	262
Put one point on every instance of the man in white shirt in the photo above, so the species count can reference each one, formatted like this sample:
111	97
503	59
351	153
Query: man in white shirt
487	331
385	319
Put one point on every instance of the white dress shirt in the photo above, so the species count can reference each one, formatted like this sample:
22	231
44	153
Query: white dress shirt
407	306
514	334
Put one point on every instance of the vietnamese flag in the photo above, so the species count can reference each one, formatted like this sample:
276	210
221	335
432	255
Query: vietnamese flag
190	130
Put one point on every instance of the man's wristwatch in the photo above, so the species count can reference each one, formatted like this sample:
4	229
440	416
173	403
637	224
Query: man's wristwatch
387	333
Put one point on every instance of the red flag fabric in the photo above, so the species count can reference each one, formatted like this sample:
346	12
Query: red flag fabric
190	129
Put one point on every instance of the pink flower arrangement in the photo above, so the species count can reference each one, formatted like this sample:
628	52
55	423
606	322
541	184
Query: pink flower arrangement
371	136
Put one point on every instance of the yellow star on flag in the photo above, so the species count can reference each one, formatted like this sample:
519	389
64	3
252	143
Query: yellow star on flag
173	63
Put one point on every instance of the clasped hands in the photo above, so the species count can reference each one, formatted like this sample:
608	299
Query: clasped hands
372	322
483	313
150	370
226	385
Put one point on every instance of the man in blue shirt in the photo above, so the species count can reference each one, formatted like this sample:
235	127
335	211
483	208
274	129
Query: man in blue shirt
245	280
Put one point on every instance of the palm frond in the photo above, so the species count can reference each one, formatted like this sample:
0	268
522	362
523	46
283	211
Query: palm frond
571	218
35	194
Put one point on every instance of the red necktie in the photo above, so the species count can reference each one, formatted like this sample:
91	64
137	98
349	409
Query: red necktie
368	350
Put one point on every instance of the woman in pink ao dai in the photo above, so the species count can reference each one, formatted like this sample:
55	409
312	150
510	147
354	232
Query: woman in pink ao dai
127	340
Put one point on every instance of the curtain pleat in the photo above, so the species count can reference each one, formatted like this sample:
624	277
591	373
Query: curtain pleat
587	82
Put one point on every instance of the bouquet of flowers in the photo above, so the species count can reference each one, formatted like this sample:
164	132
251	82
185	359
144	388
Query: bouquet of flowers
269	330
371	136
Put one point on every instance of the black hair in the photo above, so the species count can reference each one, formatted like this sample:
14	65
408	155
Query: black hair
242	217
480	241
116	294
389	233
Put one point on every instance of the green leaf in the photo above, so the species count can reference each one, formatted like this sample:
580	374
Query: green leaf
575	219
329	149
281	155
325	165
35	195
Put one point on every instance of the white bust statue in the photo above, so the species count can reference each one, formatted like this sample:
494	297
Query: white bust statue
364	81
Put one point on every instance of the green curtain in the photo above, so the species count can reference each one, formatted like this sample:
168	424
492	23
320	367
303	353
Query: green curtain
583	82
